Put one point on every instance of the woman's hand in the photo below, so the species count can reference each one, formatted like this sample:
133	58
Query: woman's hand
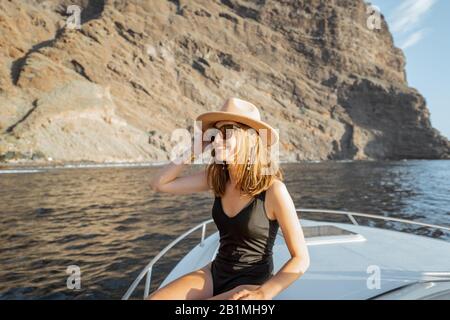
246	294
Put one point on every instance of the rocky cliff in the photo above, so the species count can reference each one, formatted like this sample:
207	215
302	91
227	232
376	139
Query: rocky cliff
115	89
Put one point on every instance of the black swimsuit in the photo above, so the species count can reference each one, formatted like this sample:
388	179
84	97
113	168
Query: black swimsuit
246	242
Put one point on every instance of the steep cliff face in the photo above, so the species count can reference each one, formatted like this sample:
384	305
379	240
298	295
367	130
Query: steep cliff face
136	70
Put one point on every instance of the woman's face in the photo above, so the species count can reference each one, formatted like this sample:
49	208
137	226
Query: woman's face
224	149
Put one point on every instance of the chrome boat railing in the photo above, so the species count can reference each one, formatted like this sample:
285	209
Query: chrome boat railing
148	268
147	271
351	216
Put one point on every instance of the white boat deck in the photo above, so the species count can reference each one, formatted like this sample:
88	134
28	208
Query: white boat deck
341	264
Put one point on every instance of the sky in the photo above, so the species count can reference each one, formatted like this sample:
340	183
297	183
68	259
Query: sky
422	29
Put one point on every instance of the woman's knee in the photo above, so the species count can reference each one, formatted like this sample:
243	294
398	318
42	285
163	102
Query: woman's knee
195	285
151	296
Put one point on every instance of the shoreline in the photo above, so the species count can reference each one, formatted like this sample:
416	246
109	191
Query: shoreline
23	166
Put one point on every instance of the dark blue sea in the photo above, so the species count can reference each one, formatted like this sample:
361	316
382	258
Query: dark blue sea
108	222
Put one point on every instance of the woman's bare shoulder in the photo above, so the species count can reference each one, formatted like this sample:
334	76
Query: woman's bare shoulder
272	196
275	185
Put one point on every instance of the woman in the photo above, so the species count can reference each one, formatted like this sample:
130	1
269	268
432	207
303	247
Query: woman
251	203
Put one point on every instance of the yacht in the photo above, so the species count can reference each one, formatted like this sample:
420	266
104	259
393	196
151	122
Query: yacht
354	256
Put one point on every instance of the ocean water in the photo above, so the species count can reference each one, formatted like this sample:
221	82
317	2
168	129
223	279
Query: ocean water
107	221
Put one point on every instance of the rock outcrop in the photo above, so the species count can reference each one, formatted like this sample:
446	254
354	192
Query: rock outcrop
115	89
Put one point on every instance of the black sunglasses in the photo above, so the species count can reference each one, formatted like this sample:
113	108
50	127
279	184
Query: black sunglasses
226	130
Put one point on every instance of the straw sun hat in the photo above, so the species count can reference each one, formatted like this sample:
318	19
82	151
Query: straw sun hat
241	111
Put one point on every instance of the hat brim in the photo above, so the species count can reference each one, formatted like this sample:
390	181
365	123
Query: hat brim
208	119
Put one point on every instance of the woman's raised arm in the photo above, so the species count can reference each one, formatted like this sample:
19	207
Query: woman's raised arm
167	179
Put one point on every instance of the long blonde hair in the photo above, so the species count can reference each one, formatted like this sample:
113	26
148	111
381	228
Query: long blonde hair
251	152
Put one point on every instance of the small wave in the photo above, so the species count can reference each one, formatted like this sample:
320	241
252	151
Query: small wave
20	171
82	165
